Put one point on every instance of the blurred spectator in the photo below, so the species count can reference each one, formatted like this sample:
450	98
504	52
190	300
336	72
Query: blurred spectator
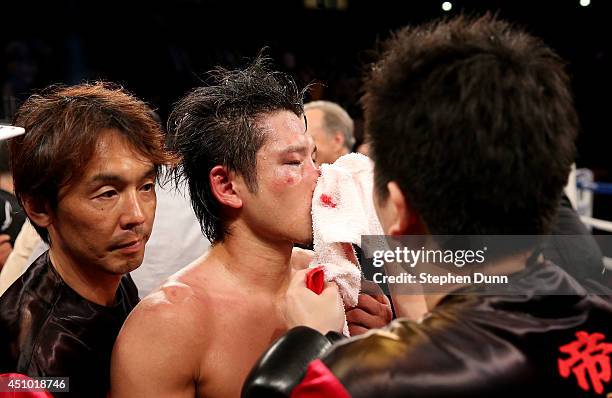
331	128
11	214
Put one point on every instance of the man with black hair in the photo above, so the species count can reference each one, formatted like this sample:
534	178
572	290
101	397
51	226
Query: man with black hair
248	162
472	131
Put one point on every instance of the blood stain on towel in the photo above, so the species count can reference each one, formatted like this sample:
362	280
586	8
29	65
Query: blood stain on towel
327	201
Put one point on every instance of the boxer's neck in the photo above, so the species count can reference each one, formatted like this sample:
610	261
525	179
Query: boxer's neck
256	263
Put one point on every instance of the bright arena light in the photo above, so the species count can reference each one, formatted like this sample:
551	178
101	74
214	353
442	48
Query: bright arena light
585	3
447	5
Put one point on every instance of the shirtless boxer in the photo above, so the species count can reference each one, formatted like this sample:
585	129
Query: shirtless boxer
248	163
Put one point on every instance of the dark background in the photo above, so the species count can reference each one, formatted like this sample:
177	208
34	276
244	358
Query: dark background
161	49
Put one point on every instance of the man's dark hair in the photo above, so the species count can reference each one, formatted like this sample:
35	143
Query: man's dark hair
475	122
63	125
219	125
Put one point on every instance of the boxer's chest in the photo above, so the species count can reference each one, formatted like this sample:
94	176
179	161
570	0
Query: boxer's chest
241	333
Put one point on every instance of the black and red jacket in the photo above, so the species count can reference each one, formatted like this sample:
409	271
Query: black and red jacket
537	343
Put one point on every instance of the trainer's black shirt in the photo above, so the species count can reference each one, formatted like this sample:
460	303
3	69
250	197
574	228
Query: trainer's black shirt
48	329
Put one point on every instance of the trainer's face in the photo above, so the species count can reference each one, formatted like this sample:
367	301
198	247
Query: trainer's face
286	177
104	217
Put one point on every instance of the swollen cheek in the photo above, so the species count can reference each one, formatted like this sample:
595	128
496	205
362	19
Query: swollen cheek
288	178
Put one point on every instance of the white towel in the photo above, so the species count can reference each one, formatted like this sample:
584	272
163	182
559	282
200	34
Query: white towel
342	211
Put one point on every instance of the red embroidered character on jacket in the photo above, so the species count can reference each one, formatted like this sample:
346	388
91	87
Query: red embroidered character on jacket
589	360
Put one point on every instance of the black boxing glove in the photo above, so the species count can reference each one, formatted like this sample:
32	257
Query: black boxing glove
284	364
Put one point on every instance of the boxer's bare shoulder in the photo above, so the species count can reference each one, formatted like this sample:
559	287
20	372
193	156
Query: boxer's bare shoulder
160	347
187	323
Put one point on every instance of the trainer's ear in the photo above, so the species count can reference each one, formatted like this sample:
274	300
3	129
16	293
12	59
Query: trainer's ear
223	186
38	211
405	221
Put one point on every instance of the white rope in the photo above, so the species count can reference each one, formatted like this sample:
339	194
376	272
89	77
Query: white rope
608	263
597	223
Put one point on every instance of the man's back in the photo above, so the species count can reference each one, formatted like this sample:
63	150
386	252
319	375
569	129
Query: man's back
486	345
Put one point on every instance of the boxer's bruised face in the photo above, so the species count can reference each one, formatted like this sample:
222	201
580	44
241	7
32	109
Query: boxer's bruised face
286	178
105	215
